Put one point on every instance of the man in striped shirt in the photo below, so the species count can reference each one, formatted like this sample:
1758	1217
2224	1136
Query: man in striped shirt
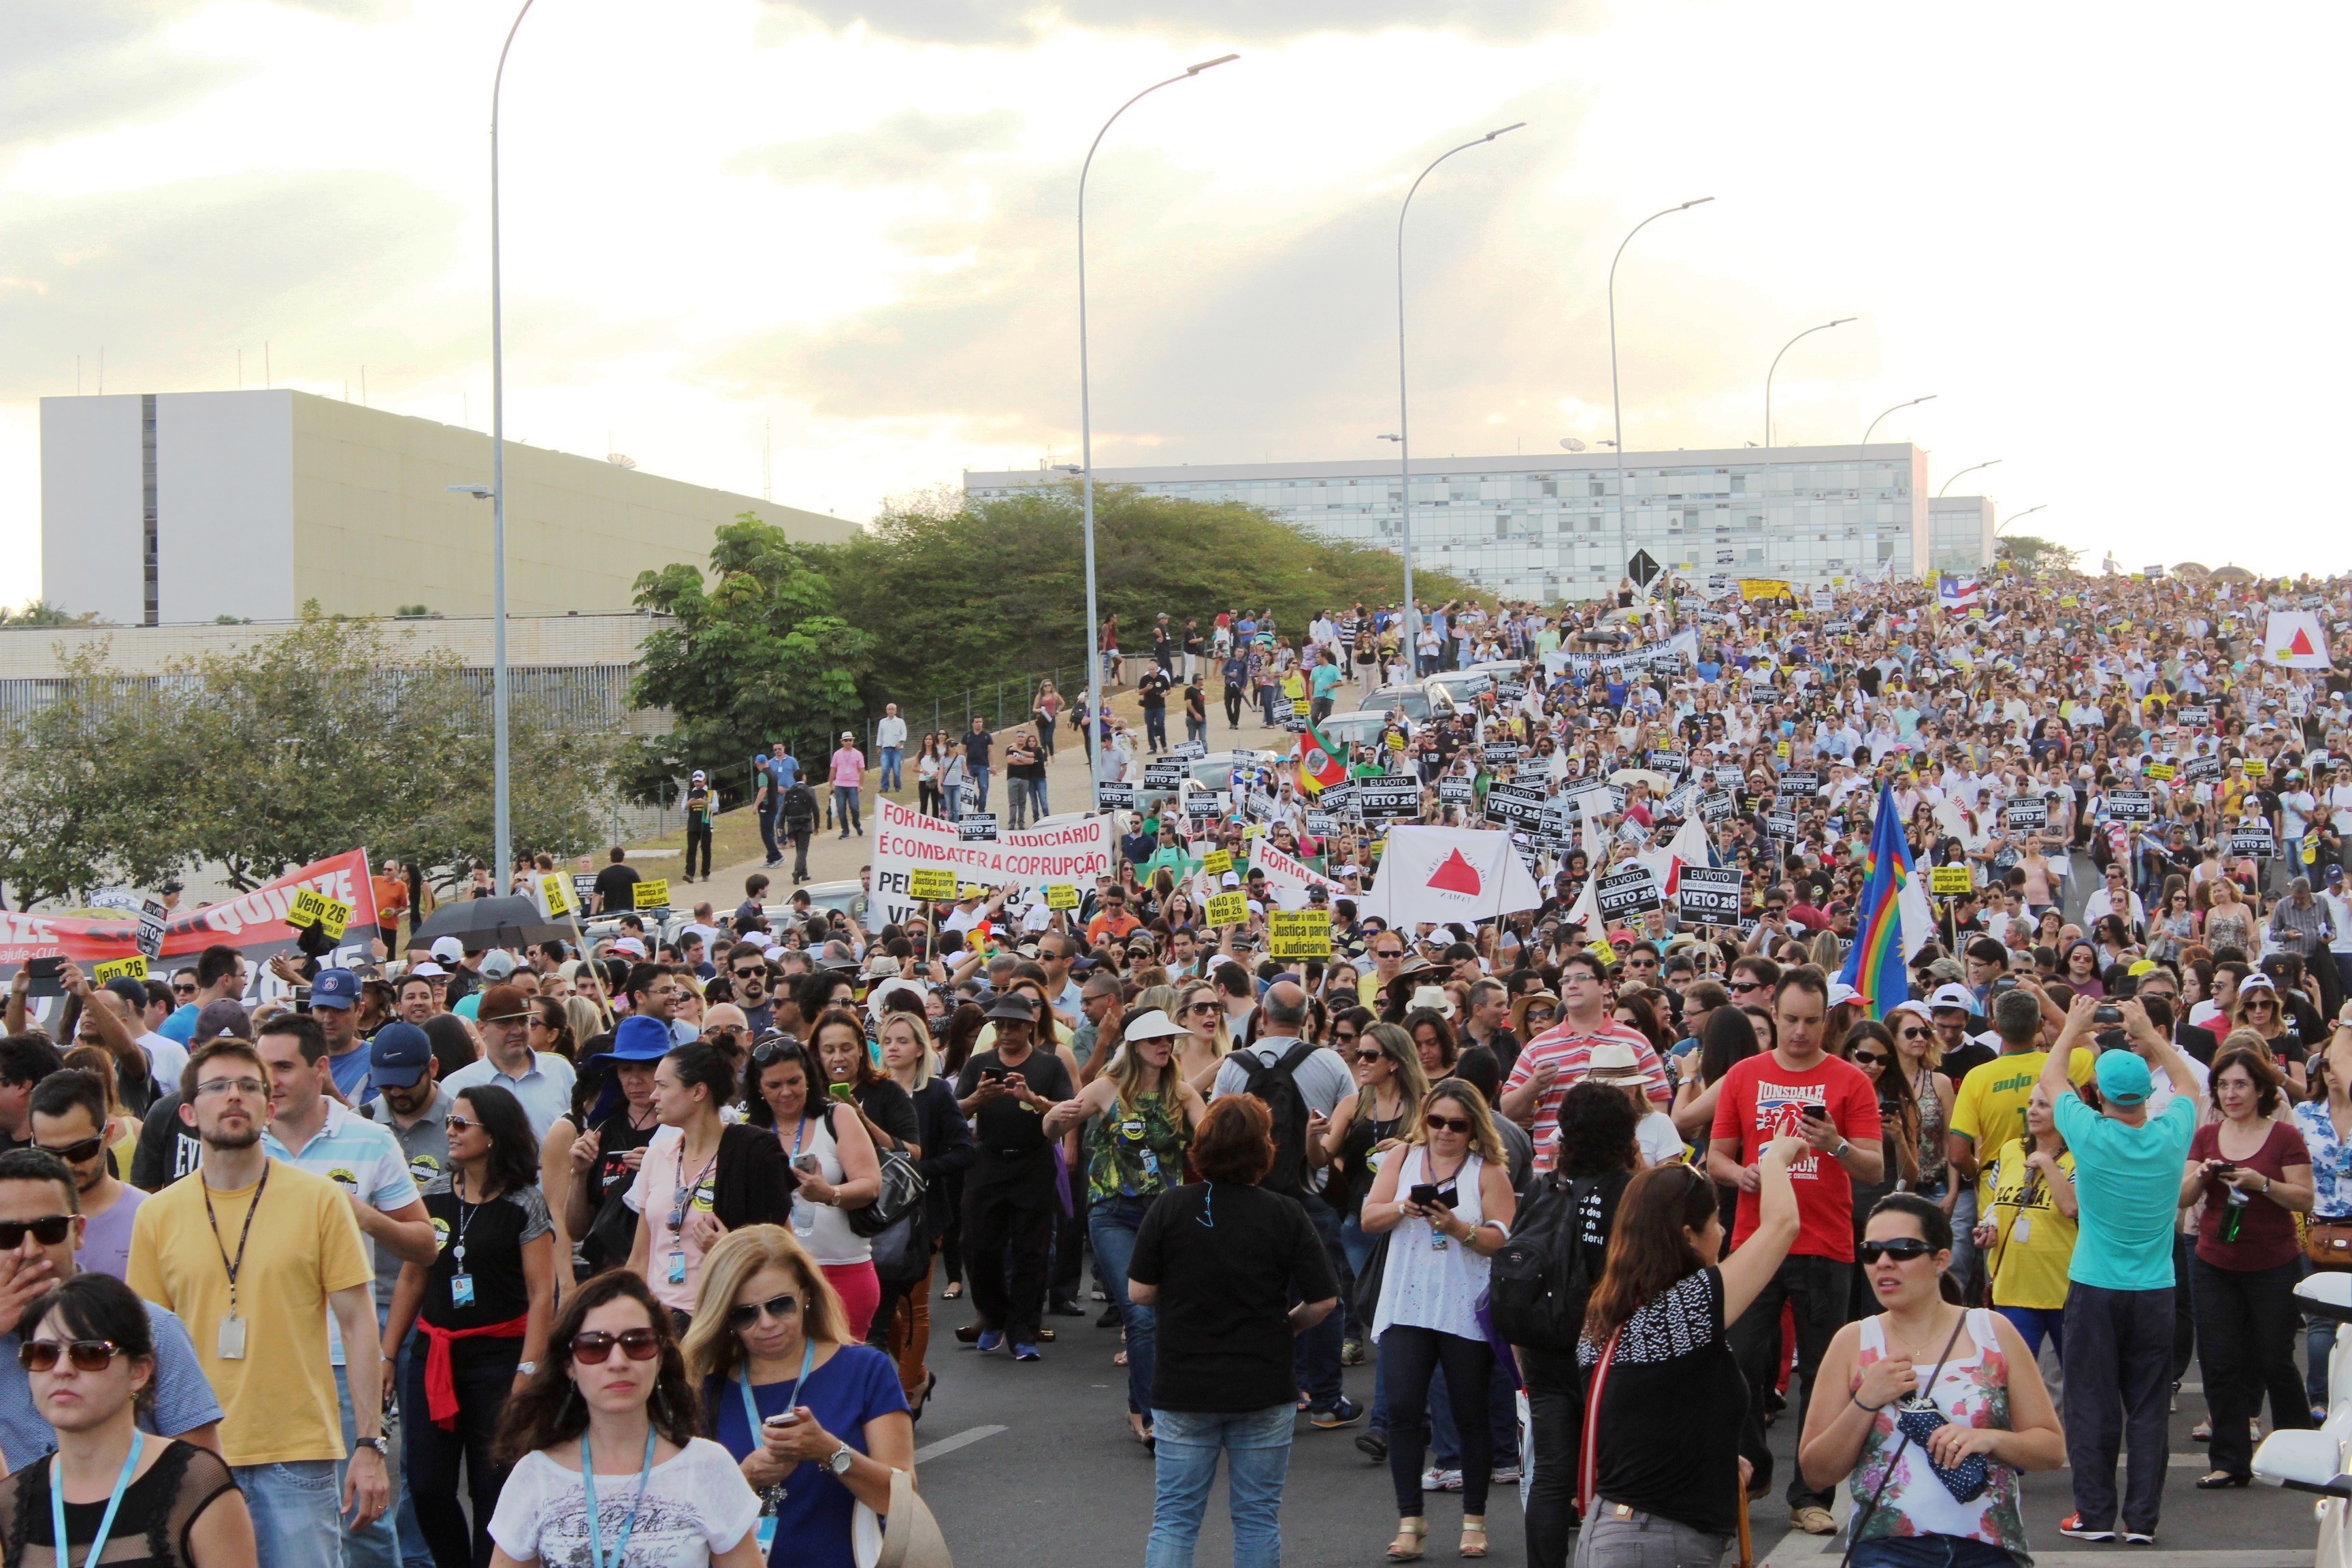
1554	1062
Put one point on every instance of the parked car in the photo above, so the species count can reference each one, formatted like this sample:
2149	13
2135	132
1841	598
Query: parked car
1417	703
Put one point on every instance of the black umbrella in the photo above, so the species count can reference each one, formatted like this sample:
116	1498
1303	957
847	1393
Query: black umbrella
490	923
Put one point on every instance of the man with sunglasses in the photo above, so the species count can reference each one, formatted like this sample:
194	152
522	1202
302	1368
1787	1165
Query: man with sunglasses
68	1112
541	1080
746	967
40	1230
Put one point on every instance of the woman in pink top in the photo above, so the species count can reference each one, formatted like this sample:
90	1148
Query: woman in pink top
849	773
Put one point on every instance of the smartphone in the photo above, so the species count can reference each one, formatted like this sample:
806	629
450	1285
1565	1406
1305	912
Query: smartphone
2220	1166
807	1163
1423	1196
1815	1113
992	1075
45	973
841	1090
2103	1014
789	1418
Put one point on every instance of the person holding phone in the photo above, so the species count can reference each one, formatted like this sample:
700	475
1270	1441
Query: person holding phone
826	1144
1010	1194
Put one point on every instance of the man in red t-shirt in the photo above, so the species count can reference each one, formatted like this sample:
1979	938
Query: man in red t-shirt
1797	1089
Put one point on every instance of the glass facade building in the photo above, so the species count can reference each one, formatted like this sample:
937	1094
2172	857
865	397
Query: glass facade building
1559	527
1959	534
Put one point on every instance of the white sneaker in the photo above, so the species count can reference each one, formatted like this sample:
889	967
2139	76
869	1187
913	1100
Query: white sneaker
1434	1480
1506	1475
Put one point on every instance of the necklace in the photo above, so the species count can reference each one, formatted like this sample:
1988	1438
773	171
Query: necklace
1942	1328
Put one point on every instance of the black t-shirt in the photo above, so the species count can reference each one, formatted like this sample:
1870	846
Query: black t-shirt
1153	690
168	1147
1958	1065
1010	1135
976	744
494	1234
1671	1409
614	884
1229	1261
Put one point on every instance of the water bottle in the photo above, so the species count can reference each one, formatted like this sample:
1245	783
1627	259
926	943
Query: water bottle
2235	1220
803	1217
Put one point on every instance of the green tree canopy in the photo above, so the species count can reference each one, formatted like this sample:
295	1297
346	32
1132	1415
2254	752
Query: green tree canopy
2032	553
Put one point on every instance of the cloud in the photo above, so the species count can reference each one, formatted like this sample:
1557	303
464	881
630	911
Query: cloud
907	148
999	22
72	66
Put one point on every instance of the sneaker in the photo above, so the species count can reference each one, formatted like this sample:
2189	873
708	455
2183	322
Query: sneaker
1373	1446
2140	1538
1109	1319
1064	1307
991	1339
2073	1529
1346	1413
1434	1480
1351	1352
1026	1353
1506	1475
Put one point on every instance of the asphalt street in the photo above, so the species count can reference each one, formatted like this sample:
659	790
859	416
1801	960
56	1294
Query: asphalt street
1029	1464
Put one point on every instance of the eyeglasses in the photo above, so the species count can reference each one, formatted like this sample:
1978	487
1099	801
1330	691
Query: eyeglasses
594	1347
1868	1058
48	1231
87	1355
1447	1123
248	1086
749	1312
459	1123
1903	1249
75	1153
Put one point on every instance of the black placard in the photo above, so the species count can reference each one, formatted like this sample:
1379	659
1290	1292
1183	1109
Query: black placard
1387	802
1672	763
977	828
1781	824
1716	806
1457	792
2201	770
2253	838
1707	895
2131	804
1117	796
1499	752
2026	815
1624	893
1801	786
1164	775
1513	804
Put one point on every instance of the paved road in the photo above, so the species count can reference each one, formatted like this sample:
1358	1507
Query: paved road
1031	1464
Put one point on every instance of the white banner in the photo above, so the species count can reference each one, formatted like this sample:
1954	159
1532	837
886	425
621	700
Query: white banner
1448	874
1287	877
2296	640
1075	853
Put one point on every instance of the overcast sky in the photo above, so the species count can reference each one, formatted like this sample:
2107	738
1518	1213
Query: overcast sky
2107	240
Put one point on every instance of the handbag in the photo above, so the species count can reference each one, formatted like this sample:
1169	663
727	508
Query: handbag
902	1251
2329	1243
911	1539
1863	1516
902	1194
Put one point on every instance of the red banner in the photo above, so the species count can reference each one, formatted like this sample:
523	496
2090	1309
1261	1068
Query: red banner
254	924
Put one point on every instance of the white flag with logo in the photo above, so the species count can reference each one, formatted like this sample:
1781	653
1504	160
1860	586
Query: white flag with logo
1449	874
2296	640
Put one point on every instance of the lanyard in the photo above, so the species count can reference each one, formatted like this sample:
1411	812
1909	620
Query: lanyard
752	1406
114	1502
252	1209
596	1527
464	1219
678	1192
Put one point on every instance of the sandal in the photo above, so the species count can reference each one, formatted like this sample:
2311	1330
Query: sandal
1119	1360
1474	1537
1406	1547
953	1292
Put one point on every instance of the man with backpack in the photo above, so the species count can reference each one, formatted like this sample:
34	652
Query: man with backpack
1301	1084
799	812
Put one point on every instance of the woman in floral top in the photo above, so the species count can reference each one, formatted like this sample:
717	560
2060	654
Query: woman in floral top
2325	1123
1945	1409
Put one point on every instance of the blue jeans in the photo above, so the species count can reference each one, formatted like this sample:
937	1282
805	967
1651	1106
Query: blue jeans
951	803
1928	1551
413	1550
979	788
2034	1324
1111	1225
295	1507
1357	1247
1038	810
891	777
378	1545
1256	1445
845	810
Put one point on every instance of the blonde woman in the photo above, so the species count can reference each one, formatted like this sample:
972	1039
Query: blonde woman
1201	1009
769	1339
903	1319
1379	1118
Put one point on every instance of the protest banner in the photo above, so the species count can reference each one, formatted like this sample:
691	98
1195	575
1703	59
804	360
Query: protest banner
1457	792
1377	799
254	922
652	894
1217	862
2254	838
1627	892
1949	881
1448	874
2026	815
1520	805
152	918
931	885
131	968
1061	896
906	839
2131	806
1708	895
555	894
311	907
1228	909
1287	877
1298	934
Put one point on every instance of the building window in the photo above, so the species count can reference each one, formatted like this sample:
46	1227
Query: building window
1597	487
1551	487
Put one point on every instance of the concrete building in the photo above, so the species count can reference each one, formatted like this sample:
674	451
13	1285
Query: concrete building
1554	527
1959	532
170	507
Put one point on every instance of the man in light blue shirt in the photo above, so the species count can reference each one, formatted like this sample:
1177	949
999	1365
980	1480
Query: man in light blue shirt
2118	1348
540	1080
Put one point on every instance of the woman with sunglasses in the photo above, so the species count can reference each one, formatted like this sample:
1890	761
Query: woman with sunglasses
1919	1057
1137	1153
1532	1014
608	1466
1963	1375
2229	922
1453	1216
1870	1045
817	1423
88	1354
2260	1012
831	1154
1208	1039
1365	1128
483	1307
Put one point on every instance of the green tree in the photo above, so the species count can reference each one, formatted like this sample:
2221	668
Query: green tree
86	797
2030	553
761	651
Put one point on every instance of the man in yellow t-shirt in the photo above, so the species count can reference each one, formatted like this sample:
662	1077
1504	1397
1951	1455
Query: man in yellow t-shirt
1988	1109
254	1290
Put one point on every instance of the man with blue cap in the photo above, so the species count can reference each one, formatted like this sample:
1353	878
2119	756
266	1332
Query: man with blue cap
401	1068
335	1002
2119	1299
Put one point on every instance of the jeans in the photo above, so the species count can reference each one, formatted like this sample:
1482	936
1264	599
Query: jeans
2033	1324
1038	809
1928	1551
952	795
768	834
2245	1339
1503	1420
1317	1353
430	1456
1357	1248
892	778
2119	1347
413	1551
979	788
1644	1541
1411	1356
1112	1224
1816	1288
1155	727
295	1506
1256	1445
845	810
1967	1270
1556	1417
1233	707
378	1545
1197	729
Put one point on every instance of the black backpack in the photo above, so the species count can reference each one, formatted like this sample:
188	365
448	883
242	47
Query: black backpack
1278	1087
1541	1279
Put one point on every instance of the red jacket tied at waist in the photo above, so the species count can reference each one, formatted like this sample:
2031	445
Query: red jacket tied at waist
440	1380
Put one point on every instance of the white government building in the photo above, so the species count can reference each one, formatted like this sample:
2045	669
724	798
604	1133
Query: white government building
1556	527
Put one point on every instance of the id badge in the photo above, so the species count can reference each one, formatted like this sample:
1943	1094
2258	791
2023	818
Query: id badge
2022	1228
677	1267
461	1289
231	1339
767	1531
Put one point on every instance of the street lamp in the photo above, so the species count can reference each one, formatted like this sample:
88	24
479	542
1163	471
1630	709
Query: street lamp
1972	468
1793	343
2013	516
1897	408
1616	410
1086	440
501	835
1404	428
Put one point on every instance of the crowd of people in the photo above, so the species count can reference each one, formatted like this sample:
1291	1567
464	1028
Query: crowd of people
683	1199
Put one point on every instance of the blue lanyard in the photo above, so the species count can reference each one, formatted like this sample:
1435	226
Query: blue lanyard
595	1526
752	1406
106	1524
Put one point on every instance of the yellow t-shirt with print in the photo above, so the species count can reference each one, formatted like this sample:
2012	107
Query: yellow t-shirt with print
278	1399
2031	1241
1990	1105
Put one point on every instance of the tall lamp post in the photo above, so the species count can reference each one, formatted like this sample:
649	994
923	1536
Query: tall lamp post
1093	742
1972	468
1793	343
501	832
1896	409
1616	409
2013	516
1404	428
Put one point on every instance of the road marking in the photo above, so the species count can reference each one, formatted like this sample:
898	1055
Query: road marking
946	1446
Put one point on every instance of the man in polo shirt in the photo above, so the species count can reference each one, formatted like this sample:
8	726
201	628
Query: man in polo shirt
312	1131
37	1195
540	1080
1555	1060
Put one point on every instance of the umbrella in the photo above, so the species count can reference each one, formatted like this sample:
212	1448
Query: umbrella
490	923
1656	781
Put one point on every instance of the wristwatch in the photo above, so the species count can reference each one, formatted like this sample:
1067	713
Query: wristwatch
840	1459
378	1443
528	1368
1839	1153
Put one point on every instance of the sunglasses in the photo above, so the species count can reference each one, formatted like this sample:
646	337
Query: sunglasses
1741	987
749	1312
1201	1007
1447	1123
87	1355
1903	1249
1914	1033
594	1347
184	991
770	1052
459	1123
75	1153
48	1232
1370	1056
1868	1058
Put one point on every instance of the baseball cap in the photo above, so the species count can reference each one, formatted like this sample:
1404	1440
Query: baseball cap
698	776
398	1056
631	946
336	988
2122	1078
496	964
428	970
503	1002
1959	996
448	949
222	1017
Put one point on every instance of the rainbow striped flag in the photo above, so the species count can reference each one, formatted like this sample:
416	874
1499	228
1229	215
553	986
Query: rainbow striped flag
1894	921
